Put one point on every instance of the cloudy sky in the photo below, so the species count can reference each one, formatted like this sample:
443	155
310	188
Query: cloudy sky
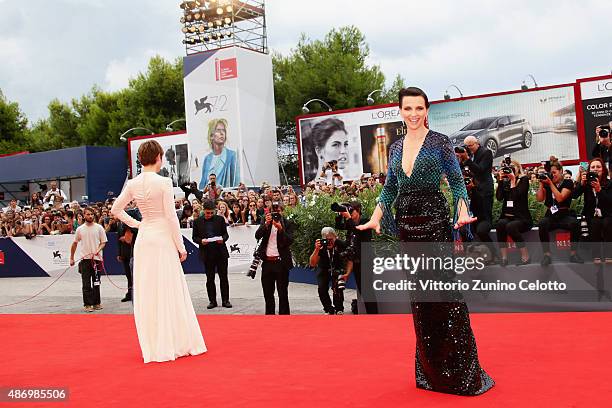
61	48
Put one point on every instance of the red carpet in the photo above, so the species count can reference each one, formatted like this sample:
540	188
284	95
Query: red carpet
541	360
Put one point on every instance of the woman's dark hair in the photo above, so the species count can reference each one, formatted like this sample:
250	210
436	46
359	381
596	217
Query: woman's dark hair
604	168
324	129
319	134
412	91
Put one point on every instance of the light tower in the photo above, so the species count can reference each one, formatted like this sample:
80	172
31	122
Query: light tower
214	24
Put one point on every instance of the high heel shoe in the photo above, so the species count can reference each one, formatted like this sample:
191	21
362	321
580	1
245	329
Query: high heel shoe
524	262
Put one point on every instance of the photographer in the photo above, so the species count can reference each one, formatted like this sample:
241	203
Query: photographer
327	256
603	148
191	188
212	190
597	210
54	195
349	216
480	165
515	218
276	234
556	193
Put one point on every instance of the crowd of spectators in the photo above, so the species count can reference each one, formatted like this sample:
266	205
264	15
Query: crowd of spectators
50	213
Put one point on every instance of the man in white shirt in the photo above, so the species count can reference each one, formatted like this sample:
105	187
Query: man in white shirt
12	206
54	191
92	238
276	234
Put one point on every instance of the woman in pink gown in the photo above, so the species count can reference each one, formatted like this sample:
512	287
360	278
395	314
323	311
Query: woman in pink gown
166	322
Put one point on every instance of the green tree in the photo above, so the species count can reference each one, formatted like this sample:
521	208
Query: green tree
335	70
13	127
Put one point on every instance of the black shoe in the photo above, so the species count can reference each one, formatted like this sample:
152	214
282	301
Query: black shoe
212	305
226	304
127	298
524	262
546	260
576	259
503	262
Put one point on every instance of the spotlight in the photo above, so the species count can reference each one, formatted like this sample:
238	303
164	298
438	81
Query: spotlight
219	23
184	30
201	28
183	20
188	17
197	16
192	29
305	109
229	9
227	21
220	10
211	24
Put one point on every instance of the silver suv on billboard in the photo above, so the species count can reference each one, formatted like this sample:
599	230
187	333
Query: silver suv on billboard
496	132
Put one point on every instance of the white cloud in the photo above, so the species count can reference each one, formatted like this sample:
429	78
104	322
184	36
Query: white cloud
62	48
119	72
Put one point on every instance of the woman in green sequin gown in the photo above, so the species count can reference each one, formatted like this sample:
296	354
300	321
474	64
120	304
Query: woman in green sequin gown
446	357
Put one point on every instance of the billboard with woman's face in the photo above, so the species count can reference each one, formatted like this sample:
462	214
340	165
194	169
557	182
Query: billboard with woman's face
221	160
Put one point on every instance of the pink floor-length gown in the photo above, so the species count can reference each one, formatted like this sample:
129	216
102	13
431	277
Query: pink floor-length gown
166	322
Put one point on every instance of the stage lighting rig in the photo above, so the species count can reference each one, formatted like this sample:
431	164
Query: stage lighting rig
228	23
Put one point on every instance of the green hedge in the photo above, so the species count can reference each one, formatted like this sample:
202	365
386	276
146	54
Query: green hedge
310	219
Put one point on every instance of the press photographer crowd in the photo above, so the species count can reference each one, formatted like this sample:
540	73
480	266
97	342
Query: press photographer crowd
211	210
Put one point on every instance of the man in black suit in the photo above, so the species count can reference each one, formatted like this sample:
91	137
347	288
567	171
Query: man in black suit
276	234
213	254
480	165
126	249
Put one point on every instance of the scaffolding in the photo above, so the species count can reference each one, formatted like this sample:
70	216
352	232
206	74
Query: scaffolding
210	25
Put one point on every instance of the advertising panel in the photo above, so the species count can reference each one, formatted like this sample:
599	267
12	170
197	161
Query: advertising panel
530	126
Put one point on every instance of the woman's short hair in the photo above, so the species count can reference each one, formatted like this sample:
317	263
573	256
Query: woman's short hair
412	91
149	151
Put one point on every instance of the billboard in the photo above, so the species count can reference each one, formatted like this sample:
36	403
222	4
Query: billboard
229	102
176	160
529	125
596	101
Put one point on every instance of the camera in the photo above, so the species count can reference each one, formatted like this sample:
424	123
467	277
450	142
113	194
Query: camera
468	177
604	131
341	283
547	166
584	227
253	268
276	211
459	149
542	176
339	208
591	176
324	242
